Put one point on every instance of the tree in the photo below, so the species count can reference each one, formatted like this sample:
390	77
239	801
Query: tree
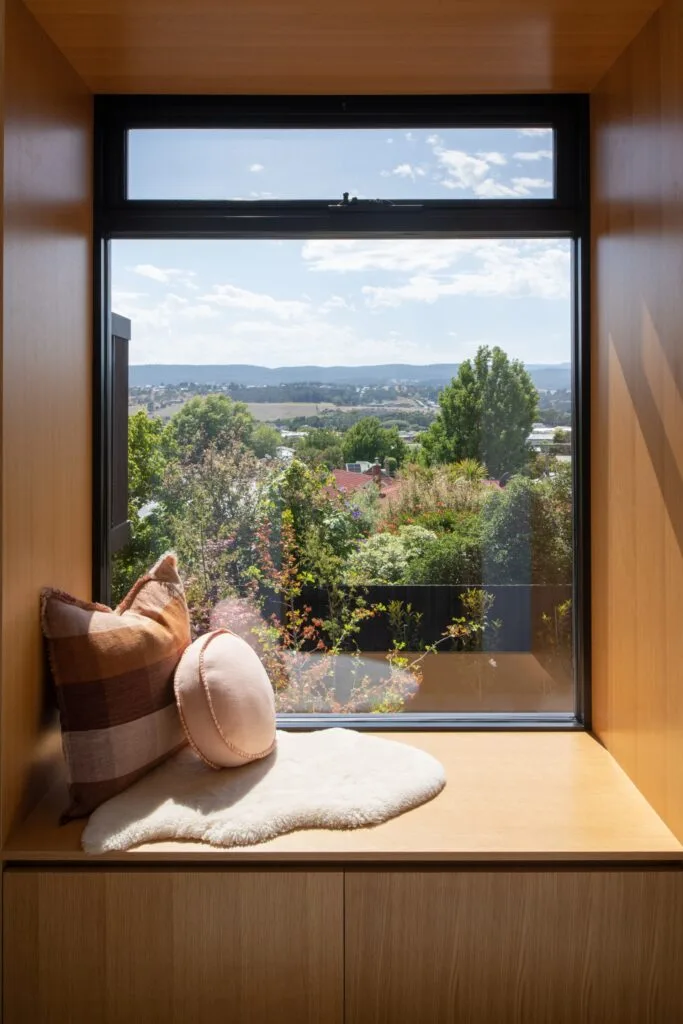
264	440
527	531
211	509
219	422
486	413
149	536
562	442
369	441
322	448
146	461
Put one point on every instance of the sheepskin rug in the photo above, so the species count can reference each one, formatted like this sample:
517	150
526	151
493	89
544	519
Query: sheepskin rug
332	778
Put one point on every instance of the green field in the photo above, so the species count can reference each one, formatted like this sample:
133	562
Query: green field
268	412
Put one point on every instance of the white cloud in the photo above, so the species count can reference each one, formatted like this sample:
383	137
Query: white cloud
385	254
165	275
492	189
229	296
534	131
535	154
255	341
525	186
119	296
405	171
494	158
436	267
389	141
466	172
489	268
335	302
256	168
462	170
164	315
410	137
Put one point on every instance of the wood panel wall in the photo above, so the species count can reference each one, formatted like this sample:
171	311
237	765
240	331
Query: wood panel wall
637	411
514	947
46	372
173	947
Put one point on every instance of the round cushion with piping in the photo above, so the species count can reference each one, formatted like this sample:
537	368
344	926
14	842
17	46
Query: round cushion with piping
225	700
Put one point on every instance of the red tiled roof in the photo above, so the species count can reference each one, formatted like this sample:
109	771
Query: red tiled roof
350	482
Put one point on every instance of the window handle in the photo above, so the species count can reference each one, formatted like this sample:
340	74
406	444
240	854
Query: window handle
350	203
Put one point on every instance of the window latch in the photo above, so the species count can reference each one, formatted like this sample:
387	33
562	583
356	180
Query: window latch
349	202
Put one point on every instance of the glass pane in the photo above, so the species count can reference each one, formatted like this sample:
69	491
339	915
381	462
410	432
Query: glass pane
361	451
322	164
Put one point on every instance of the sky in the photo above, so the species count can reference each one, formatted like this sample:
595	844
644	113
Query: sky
342	301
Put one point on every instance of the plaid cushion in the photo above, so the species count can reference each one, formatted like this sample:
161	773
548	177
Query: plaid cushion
113	672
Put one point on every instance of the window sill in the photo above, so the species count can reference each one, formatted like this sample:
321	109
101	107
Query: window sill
511	796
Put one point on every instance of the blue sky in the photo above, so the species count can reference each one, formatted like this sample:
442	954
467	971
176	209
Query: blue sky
342	301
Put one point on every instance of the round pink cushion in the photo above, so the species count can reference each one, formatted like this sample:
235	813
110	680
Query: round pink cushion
225	700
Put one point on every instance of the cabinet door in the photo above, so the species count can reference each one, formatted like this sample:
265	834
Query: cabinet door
173	947
522	947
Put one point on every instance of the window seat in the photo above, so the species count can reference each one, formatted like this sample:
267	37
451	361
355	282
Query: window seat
518	796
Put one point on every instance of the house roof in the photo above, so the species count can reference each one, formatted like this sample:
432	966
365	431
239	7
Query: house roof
350	482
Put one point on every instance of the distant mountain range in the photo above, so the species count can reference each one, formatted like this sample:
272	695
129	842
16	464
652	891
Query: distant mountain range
556	376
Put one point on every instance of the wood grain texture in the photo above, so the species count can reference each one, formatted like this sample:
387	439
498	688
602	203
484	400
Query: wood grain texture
514	948
171	947
46	374
637	414
509	796
465	46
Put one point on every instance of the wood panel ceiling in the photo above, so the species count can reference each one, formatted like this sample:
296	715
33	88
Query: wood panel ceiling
327	47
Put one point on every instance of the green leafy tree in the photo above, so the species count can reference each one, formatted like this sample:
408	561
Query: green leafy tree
368	440
321	448
219	422
526	531
212	509
149	536
324	525
146	459
264	440
454	559
485	413
562	442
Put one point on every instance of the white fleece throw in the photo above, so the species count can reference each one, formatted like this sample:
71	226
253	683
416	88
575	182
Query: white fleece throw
332	778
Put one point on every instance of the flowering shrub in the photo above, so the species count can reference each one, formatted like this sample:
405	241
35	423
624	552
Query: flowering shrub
389	557
435	498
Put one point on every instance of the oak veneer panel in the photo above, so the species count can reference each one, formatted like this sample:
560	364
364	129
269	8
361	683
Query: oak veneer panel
46	373
509	796
637	413
170	947
523	947
465	46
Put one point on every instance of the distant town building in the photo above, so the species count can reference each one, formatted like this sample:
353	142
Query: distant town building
543	437
292	435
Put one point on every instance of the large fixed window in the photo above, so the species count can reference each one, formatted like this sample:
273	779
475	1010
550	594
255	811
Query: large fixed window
341	371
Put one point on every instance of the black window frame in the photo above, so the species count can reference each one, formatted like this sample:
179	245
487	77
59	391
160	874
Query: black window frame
565	215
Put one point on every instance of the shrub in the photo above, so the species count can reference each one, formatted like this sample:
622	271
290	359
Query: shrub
387	558
527	531
453	559
436	498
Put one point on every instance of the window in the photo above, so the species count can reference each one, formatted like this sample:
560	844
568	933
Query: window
247	164
359	419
